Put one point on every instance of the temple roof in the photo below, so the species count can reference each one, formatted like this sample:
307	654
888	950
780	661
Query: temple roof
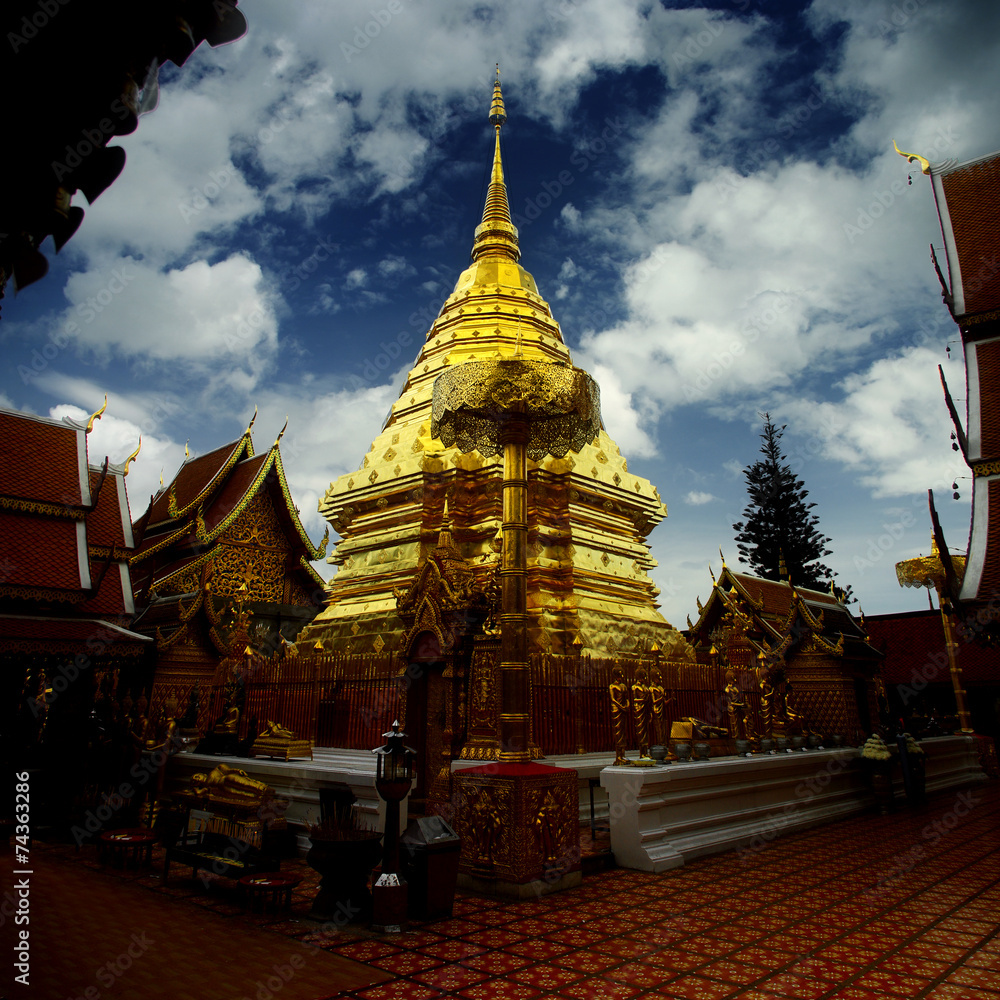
778	615
195	481
968	202
43	460
185	522
65	531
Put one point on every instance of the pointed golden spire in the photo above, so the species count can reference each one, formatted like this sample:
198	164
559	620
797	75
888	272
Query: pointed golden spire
187	450
281	433
134	456
496	235
99	413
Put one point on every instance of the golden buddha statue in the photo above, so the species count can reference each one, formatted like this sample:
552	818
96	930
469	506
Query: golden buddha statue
619	713
228	782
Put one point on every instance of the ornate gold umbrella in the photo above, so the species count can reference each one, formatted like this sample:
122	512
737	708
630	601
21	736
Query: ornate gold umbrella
929	571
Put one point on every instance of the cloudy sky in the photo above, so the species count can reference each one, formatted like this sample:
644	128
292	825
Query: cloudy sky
707	195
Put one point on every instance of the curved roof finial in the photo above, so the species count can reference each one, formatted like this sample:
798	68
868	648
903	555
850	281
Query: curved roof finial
133	457
252	419
281	433
97	415
925	167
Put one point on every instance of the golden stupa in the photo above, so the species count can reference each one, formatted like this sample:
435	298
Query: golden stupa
588	516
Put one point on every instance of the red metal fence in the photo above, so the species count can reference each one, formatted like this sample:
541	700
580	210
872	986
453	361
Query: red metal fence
348	700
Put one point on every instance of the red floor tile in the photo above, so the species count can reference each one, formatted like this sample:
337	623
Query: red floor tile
497	989
907	964
545	977
699	988
497	963
797	986
600	988
982	979
734	972
587	961
639	973
449	977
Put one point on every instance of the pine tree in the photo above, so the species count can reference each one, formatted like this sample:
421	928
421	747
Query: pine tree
777	523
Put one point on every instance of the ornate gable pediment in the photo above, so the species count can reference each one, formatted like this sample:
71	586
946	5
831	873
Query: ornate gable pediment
444	599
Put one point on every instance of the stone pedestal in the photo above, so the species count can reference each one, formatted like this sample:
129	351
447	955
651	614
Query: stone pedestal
519	825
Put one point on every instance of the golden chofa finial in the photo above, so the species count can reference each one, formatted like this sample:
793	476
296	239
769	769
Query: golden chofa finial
925	167
133	457
97	415
187	450
498	114
252	420
281	433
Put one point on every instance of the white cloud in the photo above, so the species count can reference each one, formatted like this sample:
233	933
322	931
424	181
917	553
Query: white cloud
189	316
697	498
891	425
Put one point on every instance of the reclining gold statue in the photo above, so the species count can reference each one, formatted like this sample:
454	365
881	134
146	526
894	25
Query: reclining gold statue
277	741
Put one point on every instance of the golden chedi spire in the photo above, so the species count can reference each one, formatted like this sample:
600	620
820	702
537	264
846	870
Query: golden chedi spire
589	561
496	235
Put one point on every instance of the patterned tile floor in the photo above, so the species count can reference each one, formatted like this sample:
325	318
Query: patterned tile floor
903	906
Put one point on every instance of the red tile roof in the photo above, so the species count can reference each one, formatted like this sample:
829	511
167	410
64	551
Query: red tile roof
105	523
40	459
110	599
194	480
40	552
234	491
971	227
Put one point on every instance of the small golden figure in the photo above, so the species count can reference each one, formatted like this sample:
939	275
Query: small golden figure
640	710
619	713
739	724
272	730
658	705
229	723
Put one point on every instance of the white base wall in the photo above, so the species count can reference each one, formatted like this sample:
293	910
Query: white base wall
662	817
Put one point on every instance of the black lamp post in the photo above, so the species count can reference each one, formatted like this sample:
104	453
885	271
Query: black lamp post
393	780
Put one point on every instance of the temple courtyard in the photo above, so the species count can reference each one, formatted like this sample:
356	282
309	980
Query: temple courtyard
899	906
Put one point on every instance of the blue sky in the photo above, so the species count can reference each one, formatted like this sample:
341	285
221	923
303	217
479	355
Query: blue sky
707	196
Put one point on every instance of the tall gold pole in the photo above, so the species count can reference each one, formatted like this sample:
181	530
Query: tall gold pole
515	724
964	722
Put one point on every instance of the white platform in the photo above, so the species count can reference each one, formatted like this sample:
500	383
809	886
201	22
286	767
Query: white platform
662	817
